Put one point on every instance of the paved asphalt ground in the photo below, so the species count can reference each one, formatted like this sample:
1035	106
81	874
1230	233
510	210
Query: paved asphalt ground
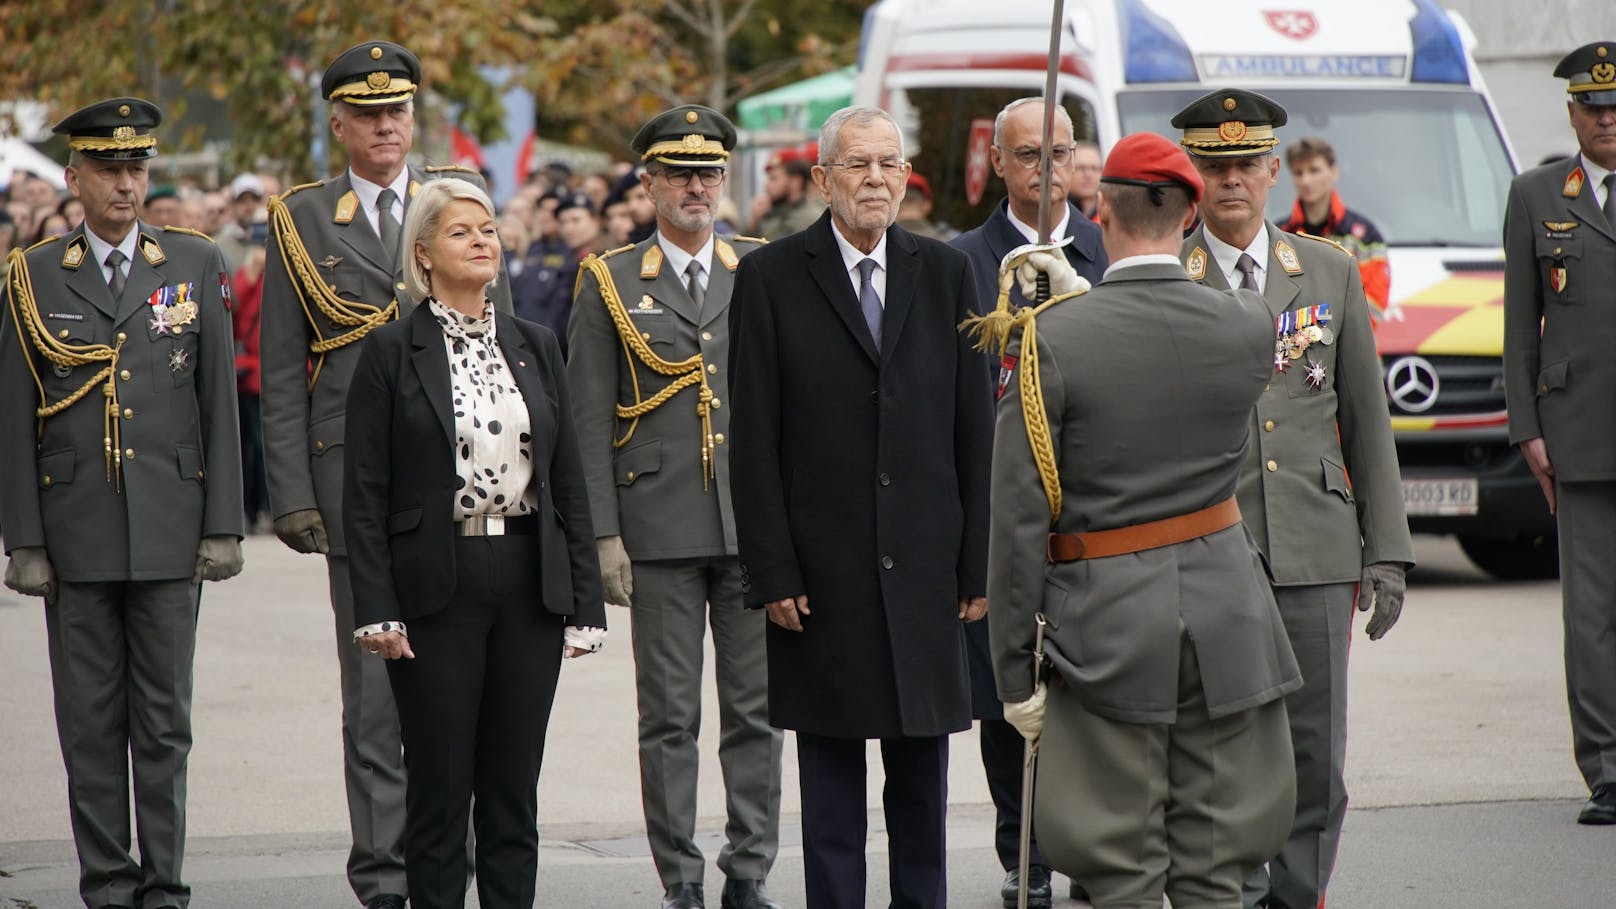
1463	788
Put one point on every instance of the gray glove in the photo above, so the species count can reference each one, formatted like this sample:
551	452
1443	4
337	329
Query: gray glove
615	571
1028	716
29	573
1382	585
302	530
218	558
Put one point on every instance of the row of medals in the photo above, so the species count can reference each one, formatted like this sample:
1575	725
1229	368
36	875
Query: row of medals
1293	345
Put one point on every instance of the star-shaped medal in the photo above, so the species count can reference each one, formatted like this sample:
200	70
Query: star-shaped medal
1315	374
178	359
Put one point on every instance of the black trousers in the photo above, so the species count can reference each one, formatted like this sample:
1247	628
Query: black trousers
473	707
254	480
831	772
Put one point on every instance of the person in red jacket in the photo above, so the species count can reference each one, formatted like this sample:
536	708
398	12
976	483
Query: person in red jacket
247	291
1320	212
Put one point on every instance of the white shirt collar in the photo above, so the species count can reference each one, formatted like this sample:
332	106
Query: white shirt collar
1596	177
679	260
1144	259
851	257
1227	256
1056	234
368	192
99	248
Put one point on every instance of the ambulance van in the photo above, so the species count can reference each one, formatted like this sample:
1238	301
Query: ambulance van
1391	84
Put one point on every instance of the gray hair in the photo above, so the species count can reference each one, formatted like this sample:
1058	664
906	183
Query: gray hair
421	222
830	134
998	122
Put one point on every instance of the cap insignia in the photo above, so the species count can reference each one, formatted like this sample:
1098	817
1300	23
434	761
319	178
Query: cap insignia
1573	184
690	115
123	110
1229	104
1196	266
123	133
378	80
375	53
1603	73
1287	258
695	141
1232	130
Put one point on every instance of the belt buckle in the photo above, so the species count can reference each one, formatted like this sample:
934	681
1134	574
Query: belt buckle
483	525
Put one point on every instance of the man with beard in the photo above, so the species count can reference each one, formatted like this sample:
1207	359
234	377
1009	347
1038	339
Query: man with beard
648	364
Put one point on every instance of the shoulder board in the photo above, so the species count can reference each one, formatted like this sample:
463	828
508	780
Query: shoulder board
187	230
450	168
45	242
1328	241
1195	265
725	253
152	250
740	239
75	253
612	252
299	188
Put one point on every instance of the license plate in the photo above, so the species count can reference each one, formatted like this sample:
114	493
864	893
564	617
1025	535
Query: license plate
1440	497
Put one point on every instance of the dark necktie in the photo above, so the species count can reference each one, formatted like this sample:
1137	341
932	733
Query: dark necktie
869	301
698	294
1610	199
1247	266
115	283
387	223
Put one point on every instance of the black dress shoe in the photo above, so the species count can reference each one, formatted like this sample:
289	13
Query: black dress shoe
385	901
746	895
1039	894
1077	892
684	896
1601	807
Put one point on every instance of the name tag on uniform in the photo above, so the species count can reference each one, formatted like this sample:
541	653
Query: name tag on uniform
646	307
66	316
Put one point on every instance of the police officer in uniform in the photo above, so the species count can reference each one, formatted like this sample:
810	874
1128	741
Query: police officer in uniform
1322	420
1165	764
333	274
1559	377
117	366
647	360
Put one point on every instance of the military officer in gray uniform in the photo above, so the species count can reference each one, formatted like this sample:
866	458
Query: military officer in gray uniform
121	491
1321	490
1165	762
332	275
647	356
1559	379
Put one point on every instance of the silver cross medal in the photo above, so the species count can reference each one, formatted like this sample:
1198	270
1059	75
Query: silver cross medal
178	359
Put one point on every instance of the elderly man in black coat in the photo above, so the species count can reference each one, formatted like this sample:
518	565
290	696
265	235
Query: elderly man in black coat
862	428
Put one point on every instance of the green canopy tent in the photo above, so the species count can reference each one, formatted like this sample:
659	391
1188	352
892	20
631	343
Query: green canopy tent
801	105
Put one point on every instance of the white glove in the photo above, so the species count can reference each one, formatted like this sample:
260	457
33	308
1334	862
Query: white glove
616	573
1028	716
1063	279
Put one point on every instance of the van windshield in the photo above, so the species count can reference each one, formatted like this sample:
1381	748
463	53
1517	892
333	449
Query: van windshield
1427	167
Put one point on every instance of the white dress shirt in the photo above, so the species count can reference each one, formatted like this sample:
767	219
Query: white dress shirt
99	249
679	260
368	193
1228	256
851	257
1056	233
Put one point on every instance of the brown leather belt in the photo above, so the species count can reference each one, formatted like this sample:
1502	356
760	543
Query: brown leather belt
1071	547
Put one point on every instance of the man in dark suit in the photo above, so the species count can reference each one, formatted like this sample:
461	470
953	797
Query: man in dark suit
1328	541
333	273
1559	377
862	435
117	363
1018	135
1165	764
648	318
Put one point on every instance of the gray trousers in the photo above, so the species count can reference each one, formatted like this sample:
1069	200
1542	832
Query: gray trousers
121	658
675	600
1186	809
1318	621
1587	521
372	755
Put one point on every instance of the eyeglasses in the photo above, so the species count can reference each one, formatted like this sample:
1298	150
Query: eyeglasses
1060	155
889	167
680	176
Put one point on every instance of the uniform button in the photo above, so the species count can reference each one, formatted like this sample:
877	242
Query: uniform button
706	336
45	480
1557	250
886	562
122	337
1543	389
886	480
712	367
717	403
128	413
124	375
718	439
875	397
199	475
319	446
1269	426
646	335
62	333
629	476
128	454
402	286
1273	466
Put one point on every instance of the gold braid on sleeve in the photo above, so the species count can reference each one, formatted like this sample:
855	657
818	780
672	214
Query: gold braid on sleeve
312	291
993	332
684	373
25	315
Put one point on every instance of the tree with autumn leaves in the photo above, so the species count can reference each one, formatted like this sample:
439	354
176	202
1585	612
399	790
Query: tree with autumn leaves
597	68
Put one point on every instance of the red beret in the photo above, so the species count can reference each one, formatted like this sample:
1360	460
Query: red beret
920	184
1146	159
783	156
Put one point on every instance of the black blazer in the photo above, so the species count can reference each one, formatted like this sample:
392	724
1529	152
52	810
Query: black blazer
860	478
988	243
399	474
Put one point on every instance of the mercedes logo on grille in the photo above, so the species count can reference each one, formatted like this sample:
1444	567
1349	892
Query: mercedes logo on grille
1412	384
